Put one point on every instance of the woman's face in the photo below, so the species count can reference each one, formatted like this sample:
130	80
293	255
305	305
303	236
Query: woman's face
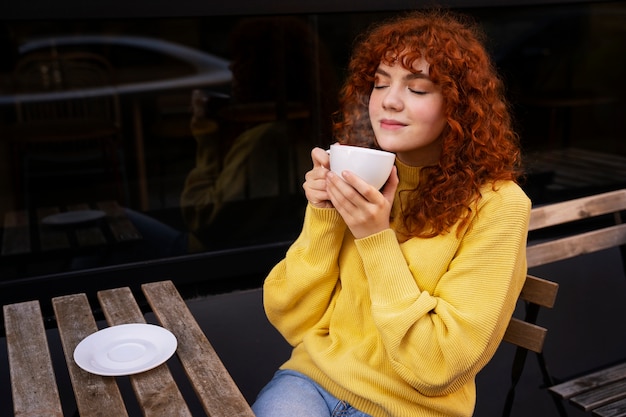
406	112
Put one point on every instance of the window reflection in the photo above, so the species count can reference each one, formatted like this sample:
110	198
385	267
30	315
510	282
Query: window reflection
215	117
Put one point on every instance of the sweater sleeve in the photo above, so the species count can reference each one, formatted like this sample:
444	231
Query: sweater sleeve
297	303
437	341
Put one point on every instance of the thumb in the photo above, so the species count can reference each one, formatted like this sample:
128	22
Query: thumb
320	158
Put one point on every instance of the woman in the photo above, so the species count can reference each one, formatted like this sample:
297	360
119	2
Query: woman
393	301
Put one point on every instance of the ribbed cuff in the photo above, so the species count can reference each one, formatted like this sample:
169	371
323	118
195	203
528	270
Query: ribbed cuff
390	280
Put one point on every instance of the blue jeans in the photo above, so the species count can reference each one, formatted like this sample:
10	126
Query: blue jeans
291	393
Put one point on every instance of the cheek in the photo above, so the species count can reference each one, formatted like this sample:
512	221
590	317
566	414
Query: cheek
434	114
437	125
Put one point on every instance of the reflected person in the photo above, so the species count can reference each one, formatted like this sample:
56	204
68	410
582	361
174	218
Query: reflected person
253	149
252	152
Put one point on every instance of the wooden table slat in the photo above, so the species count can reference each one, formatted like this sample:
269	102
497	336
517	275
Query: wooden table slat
33	382
96	396
156	390
119	306
222	399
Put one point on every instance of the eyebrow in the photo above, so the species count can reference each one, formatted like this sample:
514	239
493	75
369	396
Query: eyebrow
408	77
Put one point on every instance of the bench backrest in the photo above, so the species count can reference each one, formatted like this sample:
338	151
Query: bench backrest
579	243
538	292
524	332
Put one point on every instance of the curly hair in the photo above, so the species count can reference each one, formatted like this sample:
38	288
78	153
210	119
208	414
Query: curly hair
479	145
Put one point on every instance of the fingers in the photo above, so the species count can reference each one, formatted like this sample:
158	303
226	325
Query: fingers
364	209
315	186
348	192
353	187
315	180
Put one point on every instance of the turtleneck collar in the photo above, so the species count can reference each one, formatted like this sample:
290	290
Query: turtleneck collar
409	175
409	179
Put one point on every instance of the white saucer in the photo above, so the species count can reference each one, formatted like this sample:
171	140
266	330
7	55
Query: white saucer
72	217
125	349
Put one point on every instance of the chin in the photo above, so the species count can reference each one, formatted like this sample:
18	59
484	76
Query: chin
389	147
385	145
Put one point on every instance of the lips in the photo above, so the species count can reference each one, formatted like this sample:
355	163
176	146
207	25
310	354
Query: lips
391	124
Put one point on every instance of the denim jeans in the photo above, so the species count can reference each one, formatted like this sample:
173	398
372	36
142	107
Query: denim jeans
291	394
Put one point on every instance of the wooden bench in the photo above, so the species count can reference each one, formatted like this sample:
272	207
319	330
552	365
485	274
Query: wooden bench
33	381
603	392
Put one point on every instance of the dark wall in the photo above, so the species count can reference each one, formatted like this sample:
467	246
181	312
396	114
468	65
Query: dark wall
70	9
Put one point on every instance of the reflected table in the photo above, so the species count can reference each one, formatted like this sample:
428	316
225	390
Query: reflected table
33	381
64	233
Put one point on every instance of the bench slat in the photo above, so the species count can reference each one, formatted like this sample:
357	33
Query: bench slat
203	366
600	396
156	390
567	211
539	291
569	247
526	335
579	385
33	382
96	396
616	409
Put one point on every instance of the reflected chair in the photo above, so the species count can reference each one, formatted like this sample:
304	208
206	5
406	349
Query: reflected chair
68	126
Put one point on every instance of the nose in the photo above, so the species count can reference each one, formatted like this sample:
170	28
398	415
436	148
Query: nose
392	100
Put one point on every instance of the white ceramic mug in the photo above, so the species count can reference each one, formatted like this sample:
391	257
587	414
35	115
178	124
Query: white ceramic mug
372	165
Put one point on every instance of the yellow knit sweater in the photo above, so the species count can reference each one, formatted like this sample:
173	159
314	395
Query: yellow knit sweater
401	329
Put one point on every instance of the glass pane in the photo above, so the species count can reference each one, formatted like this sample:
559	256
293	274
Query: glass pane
175	138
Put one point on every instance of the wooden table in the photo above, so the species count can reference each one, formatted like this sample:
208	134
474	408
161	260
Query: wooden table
33	381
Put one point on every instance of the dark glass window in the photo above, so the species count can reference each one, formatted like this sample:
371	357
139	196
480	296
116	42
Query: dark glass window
158	146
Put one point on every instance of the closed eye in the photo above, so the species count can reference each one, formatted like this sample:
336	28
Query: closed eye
418	92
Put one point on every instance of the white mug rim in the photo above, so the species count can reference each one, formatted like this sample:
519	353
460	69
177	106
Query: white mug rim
361	148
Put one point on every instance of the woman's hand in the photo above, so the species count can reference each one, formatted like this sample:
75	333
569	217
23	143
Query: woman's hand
315	180
364	209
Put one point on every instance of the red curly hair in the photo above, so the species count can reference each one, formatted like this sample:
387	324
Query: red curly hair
479	143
